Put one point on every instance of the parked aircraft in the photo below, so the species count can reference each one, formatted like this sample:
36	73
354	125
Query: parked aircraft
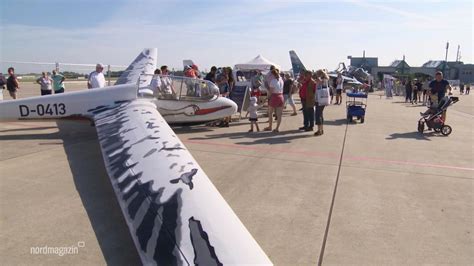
356	72
298	66
174	213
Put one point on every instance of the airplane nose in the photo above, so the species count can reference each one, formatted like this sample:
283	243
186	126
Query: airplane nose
232	105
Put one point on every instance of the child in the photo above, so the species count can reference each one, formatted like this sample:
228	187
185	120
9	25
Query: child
252	110
434	106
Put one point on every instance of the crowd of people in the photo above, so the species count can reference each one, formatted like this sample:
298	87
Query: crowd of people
279	89
224	79
313	89
316	91
429	91
51	83
416	91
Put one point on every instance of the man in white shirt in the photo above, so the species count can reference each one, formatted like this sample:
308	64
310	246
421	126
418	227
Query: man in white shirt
155	84
96	78
167	84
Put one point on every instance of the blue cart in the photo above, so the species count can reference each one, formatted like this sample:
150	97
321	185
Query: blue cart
356	104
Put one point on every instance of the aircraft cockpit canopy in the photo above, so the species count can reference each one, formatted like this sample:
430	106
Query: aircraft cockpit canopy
166	87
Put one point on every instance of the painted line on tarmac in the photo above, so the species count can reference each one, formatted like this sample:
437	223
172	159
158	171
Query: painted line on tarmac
25	125
333	199
461	113
429	165
327	155
250	148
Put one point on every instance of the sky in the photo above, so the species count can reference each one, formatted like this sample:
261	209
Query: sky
224	33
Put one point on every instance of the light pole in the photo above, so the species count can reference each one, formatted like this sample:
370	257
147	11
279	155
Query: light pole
446	58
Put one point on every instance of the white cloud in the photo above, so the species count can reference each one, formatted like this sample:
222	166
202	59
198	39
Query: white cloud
417	16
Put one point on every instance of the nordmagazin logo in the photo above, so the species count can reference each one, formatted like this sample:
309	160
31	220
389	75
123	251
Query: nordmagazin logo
57	250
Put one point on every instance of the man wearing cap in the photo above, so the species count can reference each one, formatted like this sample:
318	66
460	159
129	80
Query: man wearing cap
96	78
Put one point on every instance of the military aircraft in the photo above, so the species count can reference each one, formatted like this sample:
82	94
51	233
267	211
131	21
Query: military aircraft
298	66
356	72
174	213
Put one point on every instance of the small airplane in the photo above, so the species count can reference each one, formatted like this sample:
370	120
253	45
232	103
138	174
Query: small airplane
174	213
298	66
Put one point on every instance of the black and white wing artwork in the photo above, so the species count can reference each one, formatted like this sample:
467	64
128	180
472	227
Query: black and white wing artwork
141	68
175	214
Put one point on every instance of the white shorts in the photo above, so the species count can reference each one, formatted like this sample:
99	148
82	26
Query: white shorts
289	99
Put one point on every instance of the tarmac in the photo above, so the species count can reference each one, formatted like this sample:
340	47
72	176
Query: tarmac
372	193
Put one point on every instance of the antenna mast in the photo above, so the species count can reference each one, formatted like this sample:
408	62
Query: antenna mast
458	55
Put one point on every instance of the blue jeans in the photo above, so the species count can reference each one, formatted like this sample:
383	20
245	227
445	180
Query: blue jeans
308	115
408	95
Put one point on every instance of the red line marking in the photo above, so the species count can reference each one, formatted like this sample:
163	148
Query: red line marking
327	155
241	147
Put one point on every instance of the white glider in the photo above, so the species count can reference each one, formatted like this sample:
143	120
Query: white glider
174	213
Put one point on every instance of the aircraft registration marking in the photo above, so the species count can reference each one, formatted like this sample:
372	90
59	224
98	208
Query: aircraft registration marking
43	109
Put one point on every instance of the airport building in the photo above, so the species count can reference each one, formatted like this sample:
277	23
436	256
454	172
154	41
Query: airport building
452	70
366	63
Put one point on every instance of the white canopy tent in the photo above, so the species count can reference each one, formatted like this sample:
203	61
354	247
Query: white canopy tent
258	63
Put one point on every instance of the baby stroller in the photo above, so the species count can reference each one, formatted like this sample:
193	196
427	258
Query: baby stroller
433	117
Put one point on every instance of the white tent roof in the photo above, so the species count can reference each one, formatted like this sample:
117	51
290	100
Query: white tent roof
258	63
